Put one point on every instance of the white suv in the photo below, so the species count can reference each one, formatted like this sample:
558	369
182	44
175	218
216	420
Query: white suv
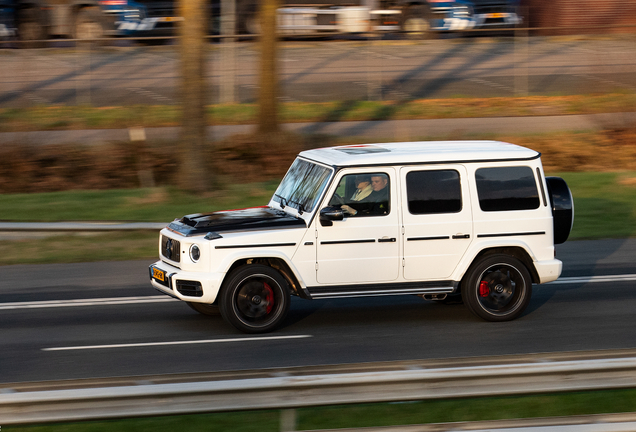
433	219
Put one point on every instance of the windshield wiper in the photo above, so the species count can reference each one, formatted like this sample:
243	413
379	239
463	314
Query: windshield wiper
301	206
283	201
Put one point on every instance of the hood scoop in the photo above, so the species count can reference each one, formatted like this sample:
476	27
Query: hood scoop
235	220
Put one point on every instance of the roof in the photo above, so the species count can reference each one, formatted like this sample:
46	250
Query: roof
419	152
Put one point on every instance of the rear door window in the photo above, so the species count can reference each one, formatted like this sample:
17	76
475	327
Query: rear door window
506	189
432	192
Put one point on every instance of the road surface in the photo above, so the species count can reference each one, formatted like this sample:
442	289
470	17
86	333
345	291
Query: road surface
69	321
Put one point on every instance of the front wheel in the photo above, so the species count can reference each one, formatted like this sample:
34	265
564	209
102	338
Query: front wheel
254	299
497	288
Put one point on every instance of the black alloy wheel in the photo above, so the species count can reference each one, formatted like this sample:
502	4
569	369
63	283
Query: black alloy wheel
255	298
497	288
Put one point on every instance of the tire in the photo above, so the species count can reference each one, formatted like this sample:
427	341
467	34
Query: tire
205	309
255	298
88	24
30	29
497	288
415	23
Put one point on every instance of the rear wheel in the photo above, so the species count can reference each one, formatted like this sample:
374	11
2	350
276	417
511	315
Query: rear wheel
497	288
255	299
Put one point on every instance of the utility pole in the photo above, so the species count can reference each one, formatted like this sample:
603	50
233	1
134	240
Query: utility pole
268	96
193	147
228	49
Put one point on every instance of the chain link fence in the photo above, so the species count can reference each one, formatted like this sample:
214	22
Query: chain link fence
369	67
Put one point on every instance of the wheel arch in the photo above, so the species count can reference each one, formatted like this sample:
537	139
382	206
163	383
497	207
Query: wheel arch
514	251
277	263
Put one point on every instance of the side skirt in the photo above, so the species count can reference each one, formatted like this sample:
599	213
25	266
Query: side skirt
383	289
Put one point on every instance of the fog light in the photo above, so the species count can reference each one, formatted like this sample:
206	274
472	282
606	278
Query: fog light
195	253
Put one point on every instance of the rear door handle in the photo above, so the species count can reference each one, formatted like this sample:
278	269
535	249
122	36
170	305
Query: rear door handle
386	240
461	236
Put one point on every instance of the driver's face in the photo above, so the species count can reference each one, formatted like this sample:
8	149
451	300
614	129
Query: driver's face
378	183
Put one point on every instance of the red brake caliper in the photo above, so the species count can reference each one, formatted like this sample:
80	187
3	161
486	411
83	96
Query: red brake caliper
483	289
269	298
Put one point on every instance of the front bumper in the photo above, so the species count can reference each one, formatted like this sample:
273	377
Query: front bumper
186	286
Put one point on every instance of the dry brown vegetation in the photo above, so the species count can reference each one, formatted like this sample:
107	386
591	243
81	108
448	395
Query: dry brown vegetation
246	159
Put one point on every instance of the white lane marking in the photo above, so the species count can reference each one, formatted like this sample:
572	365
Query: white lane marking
192	342
163	298
595	279
86	302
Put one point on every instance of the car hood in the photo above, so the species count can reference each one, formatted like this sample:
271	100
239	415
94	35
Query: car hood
257	218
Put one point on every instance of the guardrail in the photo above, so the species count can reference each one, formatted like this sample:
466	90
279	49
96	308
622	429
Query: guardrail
292	388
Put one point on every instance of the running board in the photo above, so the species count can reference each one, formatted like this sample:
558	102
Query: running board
379	290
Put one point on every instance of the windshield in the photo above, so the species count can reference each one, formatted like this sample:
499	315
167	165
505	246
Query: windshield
302	186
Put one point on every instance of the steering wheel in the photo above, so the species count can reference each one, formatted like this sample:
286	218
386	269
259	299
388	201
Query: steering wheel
337	200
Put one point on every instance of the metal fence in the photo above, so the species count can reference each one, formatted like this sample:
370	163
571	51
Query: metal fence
366	67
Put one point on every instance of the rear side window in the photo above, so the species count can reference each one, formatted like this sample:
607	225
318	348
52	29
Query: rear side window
507	188
431	192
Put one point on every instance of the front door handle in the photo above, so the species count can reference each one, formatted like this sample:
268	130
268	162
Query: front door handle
461	236
386	240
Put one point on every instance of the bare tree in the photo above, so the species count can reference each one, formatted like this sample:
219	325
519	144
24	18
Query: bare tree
192	174
268	104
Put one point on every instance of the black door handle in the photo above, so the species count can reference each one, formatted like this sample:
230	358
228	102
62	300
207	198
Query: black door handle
461	236
386	240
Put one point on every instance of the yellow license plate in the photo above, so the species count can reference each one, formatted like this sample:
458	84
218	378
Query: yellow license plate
496	15
159	274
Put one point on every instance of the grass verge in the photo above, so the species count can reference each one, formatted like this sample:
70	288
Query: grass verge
369	415
83	117
605	207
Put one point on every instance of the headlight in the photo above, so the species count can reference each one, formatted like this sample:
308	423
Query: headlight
195	253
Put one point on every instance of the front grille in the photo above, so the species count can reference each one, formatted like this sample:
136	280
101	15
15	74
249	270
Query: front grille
189	288
171	249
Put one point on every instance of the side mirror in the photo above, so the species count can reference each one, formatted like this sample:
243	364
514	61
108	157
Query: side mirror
330	214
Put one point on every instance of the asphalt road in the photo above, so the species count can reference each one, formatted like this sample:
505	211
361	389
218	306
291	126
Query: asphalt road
327	71
153	334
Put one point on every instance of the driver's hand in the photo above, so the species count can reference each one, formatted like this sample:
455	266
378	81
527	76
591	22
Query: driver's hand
348	209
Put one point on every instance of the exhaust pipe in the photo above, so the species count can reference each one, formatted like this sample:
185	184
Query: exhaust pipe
433	297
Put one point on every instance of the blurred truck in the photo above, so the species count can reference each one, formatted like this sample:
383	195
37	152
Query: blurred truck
36	20
415	17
